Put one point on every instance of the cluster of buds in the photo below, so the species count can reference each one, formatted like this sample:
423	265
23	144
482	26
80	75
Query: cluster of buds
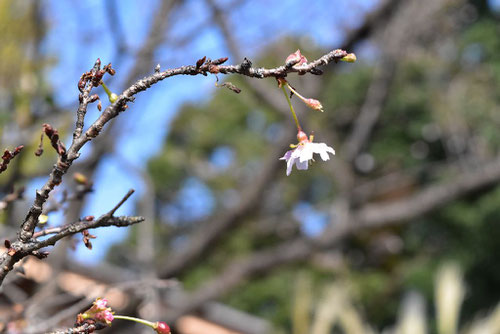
302	153
99	312
94	78
8	156
206	64
53	135
95	75
86	238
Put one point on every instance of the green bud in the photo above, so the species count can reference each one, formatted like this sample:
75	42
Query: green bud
113	97
350	58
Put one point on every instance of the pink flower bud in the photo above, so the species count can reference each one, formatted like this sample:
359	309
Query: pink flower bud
314	104
105	316
301	136
108	316
296	58
161	328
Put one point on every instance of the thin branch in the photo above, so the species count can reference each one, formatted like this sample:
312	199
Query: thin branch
83	329
19	249
47	231
103	221
25	244
117	206
84	101
143	62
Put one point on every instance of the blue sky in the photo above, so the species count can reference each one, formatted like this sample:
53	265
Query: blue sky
79	32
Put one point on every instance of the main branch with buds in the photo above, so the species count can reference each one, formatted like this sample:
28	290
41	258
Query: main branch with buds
29	241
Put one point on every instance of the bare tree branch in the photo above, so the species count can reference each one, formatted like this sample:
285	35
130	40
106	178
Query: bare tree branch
19	249
25	246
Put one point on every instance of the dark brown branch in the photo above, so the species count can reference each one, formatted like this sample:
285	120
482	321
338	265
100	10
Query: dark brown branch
92	79
19	249
85	99
65	159
117	206
80	226
142	64
83	329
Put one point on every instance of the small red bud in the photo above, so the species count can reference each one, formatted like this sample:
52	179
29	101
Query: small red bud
161	328
110	70
219	61
200	62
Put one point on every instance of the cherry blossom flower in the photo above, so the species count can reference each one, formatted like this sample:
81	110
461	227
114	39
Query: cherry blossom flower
105	316
303	152
100	304
99	312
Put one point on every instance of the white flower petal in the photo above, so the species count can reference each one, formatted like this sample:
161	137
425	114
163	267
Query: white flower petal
301	155
287	155
307	152
322	149
289	165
